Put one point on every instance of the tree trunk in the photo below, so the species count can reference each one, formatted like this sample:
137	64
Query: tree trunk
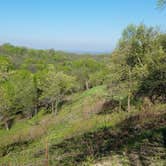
36	95
120	105
46	153
128	102
56	107
86	85
52	107
36	110
36	105
129	95
6	125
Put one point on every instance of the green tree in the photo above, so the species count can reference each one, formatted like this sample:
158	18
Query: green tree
24	92
6	104
5	67
130	61
54	86
162	41
17	96
161	3
136	42
98	77
83	69
33	65
154	84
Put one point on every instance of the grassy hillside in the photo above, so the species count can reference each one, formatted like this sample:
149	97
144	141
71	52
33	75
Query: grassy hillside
86	132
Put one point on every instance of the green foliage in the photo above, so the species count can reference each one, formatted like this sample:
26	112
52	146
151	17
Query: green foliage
5	64
154	84
33	65
17	95
6	98
24	91
5	67
138	67
43	78
36	82
84	68
162	41
161	3
54	86
136	42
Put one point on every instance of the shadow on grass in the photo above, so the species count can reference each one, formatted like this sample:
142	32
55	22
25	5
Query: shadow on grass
128	137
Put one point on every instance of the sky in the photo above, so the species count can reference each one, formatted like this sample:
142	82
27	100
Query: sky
74	25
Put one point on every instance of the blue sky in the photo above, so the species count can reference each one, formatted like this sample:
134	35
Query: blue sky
74	25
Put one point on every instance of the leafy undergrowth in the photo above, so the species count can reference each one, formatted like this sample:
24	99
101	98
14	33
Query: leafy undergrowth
81	135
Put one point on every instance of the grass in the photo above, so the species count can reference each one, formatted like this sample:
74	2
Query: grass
25	143
33	132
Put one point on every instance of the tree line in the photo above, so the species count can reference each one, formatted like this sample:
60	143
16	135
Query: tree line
31	80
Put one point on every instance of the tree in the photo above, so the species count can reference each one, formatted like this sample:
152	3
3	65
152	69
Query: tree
131	59
17	96
54	86
83	69
99	77
162	41
33	65
121	82
161	3
6	104
24	92
5	67
136	42
154	84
